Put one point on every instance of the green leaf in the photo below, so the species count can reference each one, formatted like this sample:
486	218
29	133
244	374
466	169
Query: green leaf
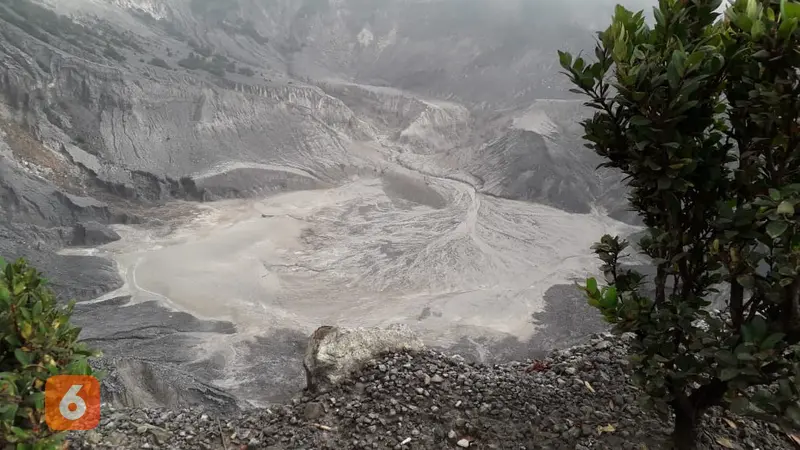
679	60
759	326
620	50
786	208
790	10
774	194
8	411
591	285
565	59
793	413
726	358
747	281
38	400
20	433
610	296
740	405
695	59
771	341
37	309
579	64
728	373
23	357
26	330
673	76
762	54
757	30
787	27
776	229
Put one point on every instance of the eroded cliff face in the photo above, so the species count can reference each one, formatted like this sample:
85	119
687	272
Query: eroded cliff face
110	110
133	117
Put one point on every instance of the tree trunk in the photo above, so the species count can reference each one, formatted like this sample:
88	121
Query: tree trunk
684	435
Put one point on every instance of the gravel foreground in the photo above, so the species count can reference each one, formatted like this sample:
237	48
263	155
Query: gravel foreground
580	398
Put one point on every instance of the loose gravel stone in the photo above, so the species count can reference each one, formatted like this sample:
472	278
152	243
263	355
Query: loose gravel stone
428	400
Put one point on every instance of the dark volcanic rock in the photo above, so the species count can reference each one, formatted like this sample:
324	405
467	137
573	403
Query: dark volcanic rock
92	234
581	398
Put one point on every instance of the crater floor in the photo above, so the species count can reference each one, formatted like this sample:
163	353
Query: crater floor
431	252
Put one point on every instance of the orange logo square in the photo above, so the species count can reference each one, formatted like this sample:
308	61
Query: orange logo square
72	402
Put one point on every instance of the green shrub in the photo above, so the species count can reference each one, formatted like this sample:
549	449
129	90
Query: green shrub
702	115
36	342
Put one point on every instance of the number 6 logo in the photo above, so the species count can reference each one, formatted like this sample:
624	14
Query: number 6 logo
69	399
72	402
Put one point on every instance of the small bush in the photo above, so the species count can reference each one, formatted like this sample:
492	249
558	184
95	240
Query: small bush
700	114
36	342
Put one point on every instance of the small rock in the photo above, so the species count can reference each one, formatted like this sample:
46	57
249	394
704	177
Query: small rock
116	439
451	434
93	437
602	345
463	443
313	411
437	379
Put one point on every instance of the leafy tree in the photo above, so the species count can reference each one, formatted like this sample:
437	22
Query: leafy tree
701	115
36	342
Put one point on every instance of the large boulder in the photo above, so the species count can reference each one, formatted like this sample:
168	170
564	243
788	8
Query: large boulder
334	353
92	234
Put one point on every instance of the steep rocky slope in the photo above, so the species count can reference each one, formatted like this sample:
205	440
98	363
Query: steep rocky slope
400	152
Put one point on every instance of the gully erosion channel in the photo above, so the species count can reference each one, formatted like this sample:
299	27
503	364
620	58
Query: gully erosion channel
460	267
